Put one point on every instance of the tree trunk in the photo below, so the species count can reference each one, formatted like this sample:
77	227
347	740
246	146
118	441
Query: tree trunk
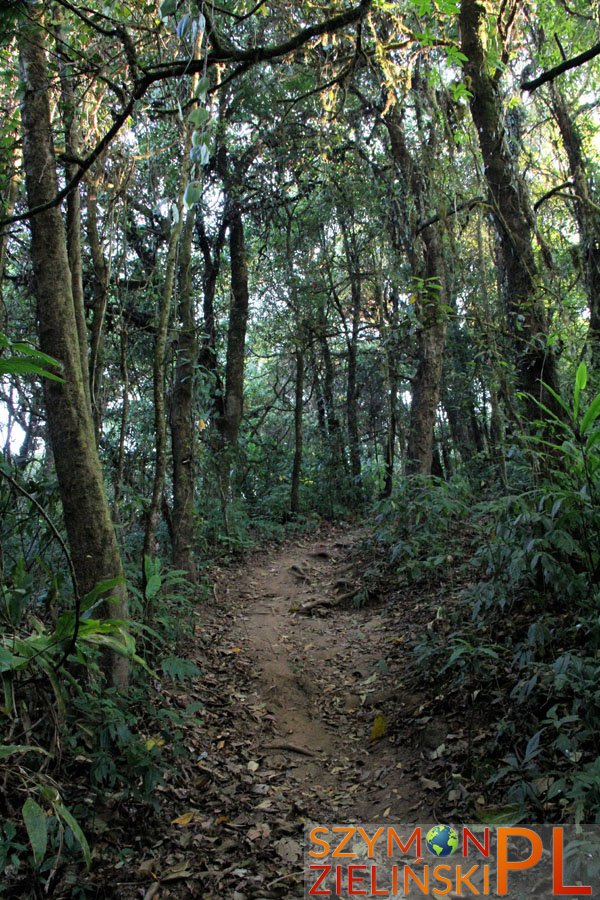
586	215
389	455
87	517
388	325
337	460
353	264
120	467
432	339
182	414
100	283
160	357
207	356
300	366
236	332
534	360
72	145
298	432
8	204
427	262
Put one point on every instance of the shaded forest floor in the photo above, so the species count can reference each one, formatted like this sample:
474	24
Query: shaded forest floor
305	717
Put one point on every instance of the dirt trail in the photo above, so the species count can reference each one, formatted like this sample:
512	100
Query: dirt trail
319	668
293	682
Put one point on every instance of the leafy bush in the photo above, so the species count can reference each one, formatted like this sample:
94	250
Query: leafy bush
527	625
56	696
418	525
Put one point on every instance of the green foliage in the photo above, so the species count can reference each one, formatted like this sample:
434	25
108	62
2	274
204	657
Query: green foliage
537	593
22	359
525	622
419	525
94	727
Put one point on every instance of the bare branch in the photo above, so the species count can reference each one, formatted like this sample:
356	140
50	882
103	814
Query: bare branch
561	68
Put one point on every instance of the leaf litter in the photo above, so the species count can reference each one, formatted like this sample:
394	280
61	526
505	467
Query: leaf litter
305	717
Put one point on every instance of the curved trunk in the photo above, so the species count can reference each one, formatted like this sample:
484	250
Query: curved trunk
87	517
586	214
534	360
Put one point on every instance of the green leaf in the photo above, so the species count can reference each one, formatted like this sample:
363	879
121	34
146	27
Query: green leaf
580	383
168	8
34	353
100	592
199	116
63	813
591	414
593	440
30	361
558	399
202	87
182	26
17	366
193	192
36	823
179	669
9	662
12	749
153	586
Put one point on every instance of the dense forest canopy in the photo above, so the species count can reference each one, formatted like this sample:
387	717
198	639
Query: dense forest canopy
264	263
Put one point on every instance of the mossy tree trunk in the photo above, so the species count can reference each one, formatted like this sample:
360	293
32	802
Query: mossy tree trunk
182	413
426	258
587	214
534	360
89	527
160	355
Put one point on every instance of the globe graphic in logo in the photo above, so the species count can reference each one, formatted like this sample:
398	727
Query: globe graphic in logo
441	840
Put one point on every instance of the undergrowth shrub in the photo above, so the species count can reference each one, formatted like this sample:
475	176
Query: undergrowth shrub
521	638
418	525
70	744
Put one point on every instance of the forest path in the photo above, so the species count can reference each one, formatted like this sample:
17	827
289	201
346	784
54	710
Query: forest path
304	718
301	693
319	682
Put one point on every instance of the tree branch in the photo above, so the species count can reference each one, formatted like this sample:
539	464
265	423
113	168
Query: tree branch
467	204
562	67
178	69
552	192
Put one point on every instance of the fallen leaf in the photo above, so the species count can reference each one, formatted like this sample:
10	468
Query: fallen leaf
379	728
183	820
288	849
178	871
429	784
147	867
259	831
